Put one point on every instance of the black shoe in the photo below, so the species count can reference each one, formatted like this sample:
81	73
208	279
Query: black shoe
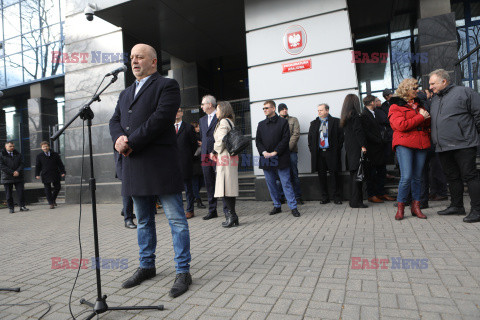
211	215
138	277
232	220
360	206
337	201
182	281
452	210
12	211
121	213
299	201
275	211
324	201
24	208
473	216
295	213
200	205
129	224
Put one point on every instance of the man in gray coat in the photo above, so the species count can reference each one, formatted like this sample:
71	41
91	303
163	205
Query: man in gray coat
455	114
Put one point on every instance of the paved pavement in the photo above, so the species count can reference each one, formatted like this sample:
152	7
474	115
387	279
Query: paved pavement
271	267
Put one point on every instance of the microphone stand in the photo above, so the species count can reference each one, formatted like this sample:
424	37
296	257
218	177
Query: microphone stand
100	305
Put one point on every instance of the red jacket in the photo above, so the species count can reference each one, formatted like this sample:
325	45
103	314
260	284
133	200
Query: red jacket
410	129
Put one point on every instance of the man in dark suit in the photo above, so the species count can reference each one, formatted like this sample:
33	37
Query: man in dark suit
272	139
207	127
143	133
375	153
11	164
325	141
50	168
187	145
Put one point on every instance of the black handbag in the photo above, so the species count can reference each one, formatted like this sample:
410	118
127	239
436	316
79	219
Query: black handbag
235	141
360	176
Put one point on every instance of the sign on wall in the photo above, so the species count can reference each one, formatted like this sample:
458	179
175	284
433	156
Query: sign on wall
297	65
294	39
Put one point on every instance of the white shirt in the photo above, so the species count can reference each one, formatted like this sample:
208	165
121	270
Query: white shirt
210	118
372	111
139	84
178	125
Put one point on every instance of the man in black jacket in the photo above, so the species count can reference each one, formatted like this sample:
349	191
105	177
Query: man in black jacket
375	153
11	164
50	168
143	133
455	112
187	145
325	141
273	136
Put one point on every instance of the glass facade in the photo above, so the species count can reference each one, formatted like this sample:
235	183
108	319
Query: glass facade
30	30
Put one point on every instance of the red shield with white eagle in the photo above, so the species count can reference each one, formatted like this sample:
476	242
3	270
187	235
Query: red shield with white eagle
294	39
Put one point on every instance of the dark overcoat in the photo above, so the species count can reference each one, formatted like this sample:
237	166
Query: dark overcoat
335	142
153	168
354	140
49	168
187	145
375	145
9	164
206	133
273	134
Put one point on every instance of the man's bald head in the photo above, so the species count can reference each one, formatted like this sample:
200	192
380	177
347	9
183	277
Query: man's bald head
144	60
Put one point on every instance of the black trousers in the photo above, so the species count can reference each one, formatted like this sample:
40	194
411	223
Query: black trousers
356	197
50	193
438	181
322	166
127	207
209	175
230	202
376	180
459	167
19	186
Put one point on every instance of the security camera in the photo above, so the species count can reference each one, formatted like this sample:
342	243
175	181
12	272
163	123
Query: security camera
90	11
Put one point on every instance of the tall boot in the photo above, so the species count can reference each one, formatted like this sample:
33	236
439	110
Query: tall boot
232	220
400	211
227	215
416	210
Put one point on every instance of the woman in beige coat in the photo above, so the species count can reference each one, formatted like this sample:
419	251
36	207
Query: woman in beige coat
226	183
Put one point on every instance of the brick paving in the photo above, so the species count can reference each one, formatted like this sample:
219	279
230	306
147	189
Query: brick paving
271	267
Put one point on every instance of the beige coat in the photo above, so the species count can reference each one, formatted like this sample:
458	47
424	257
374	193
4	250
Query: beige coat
226	184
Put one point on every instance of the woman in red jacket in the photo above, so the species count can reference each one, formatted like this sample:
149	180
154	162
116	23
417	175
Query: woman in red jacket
411	125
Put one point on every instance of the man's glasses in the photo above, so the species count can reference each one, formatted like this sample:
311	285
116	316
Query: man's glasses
265	108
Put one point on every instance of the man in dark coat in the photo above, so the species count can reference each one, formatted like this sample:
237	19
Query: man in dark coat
143	133
272	139
455	112
207	127
325	141
187	144
11	164
381	115
375	153
50	168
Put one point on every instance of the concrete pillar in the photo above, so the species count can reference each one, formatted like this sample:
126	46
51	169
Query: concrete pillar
437	37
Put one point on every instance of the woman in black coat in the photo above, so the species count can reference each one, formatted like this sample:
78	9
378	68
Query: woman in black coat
355	143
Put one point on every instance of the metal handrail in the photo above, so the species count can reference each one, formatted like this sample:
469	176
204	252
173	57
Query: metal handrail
467	55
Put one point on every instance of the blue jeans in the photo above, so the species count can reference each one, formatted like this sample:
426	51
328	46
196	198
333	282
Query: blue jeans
411	162
293	176
147	235
271	175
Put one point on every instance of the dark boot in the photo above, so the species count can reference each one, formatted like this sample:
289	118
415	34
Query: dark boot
227	215
415	208
232	219
200	205
400	211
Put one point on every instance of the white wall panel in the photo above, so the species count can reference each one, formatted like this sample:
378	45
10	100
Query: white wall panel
262	13
330	71
266	45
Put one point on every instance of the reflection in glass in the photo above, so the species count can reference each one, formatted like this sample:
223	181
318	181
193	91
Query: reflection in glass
12	46
49	12
51	34
30	15
31	40
401	60
55	68
3	82
32	65
11	21
14	69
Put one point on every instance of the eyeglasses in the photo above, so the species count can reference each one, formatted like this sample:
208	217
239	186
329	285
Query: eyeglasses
265	108
415	88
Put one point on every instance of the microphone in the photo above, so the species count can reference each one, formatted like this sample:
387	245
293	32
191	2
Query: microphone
1	94
117	71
